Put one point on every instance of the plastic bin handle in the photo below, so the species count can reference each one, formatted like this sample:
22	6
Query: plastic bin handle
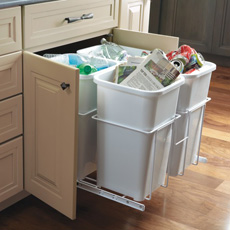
83	17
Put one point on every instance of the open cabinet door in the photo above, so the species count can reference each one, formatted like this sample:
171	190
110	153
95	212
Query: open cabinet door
50	128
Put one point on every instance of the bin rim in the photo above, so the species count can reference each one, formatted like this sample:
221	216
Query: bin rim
208	67
146	93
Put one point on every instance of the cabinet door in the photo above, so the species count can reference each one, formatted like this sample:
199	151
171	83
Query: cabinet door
10	118
10	30
10	74
131	15
11	168
221	35
191	21
51	132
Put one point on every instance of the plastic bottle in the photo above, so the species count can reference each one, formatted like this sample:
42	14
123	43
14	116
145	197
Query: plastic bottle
68	59
113	51
99	62
86	69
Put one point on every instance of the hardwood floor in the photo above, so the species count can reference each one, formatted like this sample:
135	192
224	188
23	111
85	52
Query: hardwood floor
198	200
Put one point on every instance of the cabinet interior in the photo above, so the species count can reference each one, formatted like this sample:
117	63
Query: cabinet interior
73	47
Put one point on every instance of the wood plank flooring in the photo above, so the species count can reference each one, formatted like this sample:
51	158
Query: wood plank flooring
198	200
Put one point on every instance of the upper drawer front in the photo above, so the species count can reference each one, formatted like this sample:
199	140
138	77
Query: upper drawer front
10	74
10	30
45	23
10	118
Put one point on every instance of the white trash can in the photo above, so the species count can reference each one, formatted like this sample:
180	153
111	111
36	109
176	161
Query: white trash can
126	120
191	103
87	127
195	88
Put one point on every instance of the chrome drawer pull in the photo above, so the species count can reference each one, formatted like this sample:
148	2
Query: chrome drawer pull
83	17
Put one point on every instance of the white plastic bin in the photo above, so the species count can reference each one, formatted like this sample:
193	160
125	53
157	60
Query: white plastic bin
126	157
132	107
88	90
196	86
87	144
192	93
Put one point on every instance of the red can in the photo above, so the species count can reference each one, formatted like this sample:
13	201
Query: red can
184	54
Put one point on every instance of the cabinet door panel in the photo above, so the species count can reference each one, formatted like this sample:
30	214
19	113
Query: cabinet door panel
10	118
11	168
134	15
131	15
10	30
51	132
191	21
10	74
221	35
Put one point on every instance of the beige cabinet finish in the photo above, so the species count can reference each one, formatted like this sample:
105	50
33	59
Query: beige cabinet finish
10	30
11	168
48	28
145	41
10	118
134	15
10	74
11	153
50	132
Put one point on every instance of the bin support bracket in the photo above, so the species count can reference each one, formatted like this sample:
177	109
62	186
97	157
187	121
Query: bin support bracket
201	105
111	196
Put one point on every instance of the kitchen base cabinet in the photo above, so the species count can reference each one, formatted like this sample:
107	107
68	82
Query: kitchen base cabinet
11	115
51	94
51	121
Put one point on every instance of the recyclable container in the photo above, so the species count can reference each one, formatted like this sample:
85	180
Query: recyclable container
130	161
87	128
132	107
196	86
87	144
88	90
191	104
132	157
